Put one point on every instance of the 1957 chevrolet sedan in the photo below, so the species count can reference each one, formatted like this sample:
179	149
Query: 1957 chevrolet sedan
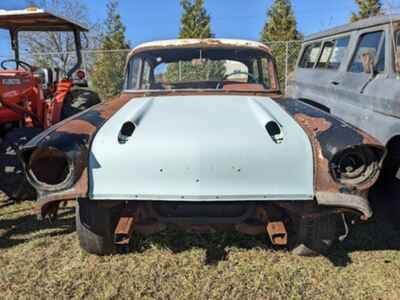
202	138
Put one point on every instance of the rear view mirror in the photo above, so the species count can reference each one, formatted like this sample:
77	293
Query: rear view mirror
368	60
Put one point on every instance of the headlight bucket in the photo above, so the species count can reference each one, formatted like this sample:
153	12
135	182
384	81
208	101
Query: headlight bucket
356	166
50	169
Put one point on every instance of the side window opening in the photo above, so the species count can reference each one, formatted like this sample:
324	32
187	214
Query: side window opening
333	53
380	64
146	79
133	76
325	54
310	55
397	52
373	42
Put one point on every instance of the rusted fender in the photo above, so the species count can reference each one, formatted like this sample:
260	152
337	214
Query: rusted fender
329	136
77	131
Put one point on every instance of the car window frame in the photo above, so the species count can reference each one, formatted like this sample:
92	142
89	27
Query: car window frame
270	70
314	42
335	39
322	52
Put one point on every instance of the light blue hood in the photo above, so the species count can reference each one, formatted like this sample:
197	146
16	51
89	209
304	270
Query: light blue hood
208	148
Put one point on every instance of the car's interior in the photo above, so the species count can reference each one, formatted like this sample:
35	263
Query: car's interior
193	68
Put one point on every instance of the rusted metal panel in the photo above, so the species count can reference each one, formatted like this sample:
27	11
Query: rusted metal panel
199	43
325	133
124	230
329	136
78	130
277	233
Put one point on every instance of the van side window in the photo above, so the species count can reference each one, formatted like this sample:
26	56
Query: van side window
339	52
333	53
326	54
370	42
310	55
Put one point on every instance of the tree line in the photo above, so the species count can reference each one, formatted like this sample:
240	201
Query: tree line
108	67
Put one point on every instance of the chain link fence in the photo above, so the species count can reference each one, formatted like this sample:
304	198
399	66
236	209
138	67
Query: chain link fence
285	53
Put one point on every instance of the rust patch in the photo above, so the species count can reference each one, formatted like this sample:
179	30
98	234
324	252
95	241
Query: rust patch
78	126
199	43
277	233
316	125
124	230
312	126
81	129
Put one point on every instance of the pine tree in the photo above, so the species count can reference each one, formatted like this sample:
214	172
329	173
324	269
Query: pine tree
108	74
367	8
279	29
195	23
281	23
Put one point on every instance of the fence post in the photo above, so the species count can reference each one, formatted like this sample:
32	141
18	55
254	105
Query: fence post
286	66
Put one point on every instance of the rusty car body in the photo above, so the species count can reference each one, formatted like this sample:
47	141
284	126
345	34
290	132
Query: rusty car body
202	138
352	71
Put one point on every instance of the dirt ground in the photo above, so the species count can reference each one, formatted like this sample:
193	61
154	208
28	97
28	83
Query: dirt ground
43	260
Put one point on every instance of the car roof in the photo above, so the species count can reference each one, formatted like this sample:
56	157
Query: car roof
35	19
362	24
200	43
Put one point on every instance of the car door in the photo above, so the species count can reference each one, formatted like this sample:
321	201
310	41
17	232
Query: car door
354	99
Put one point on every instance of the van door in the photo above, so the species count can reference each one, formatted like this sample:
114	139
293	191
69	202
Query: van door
353	102
384	92
306	83
314	84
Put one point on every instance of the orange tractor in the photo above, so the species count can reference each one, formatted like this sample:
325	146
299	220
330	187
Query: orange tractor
34	98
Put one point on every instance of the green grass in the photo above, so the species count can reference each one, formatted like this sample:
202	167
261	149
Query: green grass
43	260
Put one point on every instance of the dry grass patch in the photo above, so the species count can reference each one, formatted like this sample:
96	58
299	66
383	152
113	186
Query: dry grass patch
42	260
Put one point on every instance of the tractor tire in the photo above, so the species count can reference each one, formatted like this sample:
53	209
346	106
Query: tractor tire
315	236
78	100
13	182
95	225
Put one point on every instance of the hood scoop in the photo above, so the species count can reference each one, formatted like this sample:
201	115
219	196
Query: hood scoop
129	127
274	131
268	121
126	132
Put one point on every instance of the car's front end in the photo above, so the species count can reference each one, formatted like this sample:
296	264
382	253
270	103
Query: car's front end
186	146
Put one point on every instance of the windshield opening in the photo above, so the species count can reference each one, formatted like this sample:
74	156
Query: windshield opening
204	69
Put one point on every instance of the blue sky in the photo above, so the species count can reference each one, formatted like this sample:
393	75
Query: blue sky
159	19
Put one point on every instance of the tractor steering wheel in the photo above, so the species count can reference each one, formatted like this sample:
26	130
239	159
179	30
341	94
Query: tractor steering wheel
221	83
18	63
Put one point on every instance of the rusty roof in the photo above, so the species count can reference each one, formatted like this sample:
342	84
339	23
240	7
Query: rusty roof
200	43
34	19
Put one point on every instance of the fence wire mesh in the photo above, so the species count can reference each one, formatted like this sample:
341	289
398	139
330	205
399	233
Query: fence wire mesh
285	53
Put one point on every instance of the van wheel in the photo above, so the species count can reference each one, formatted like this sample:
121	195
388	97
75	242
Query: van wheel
95	225
78	100
12	176
314	236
